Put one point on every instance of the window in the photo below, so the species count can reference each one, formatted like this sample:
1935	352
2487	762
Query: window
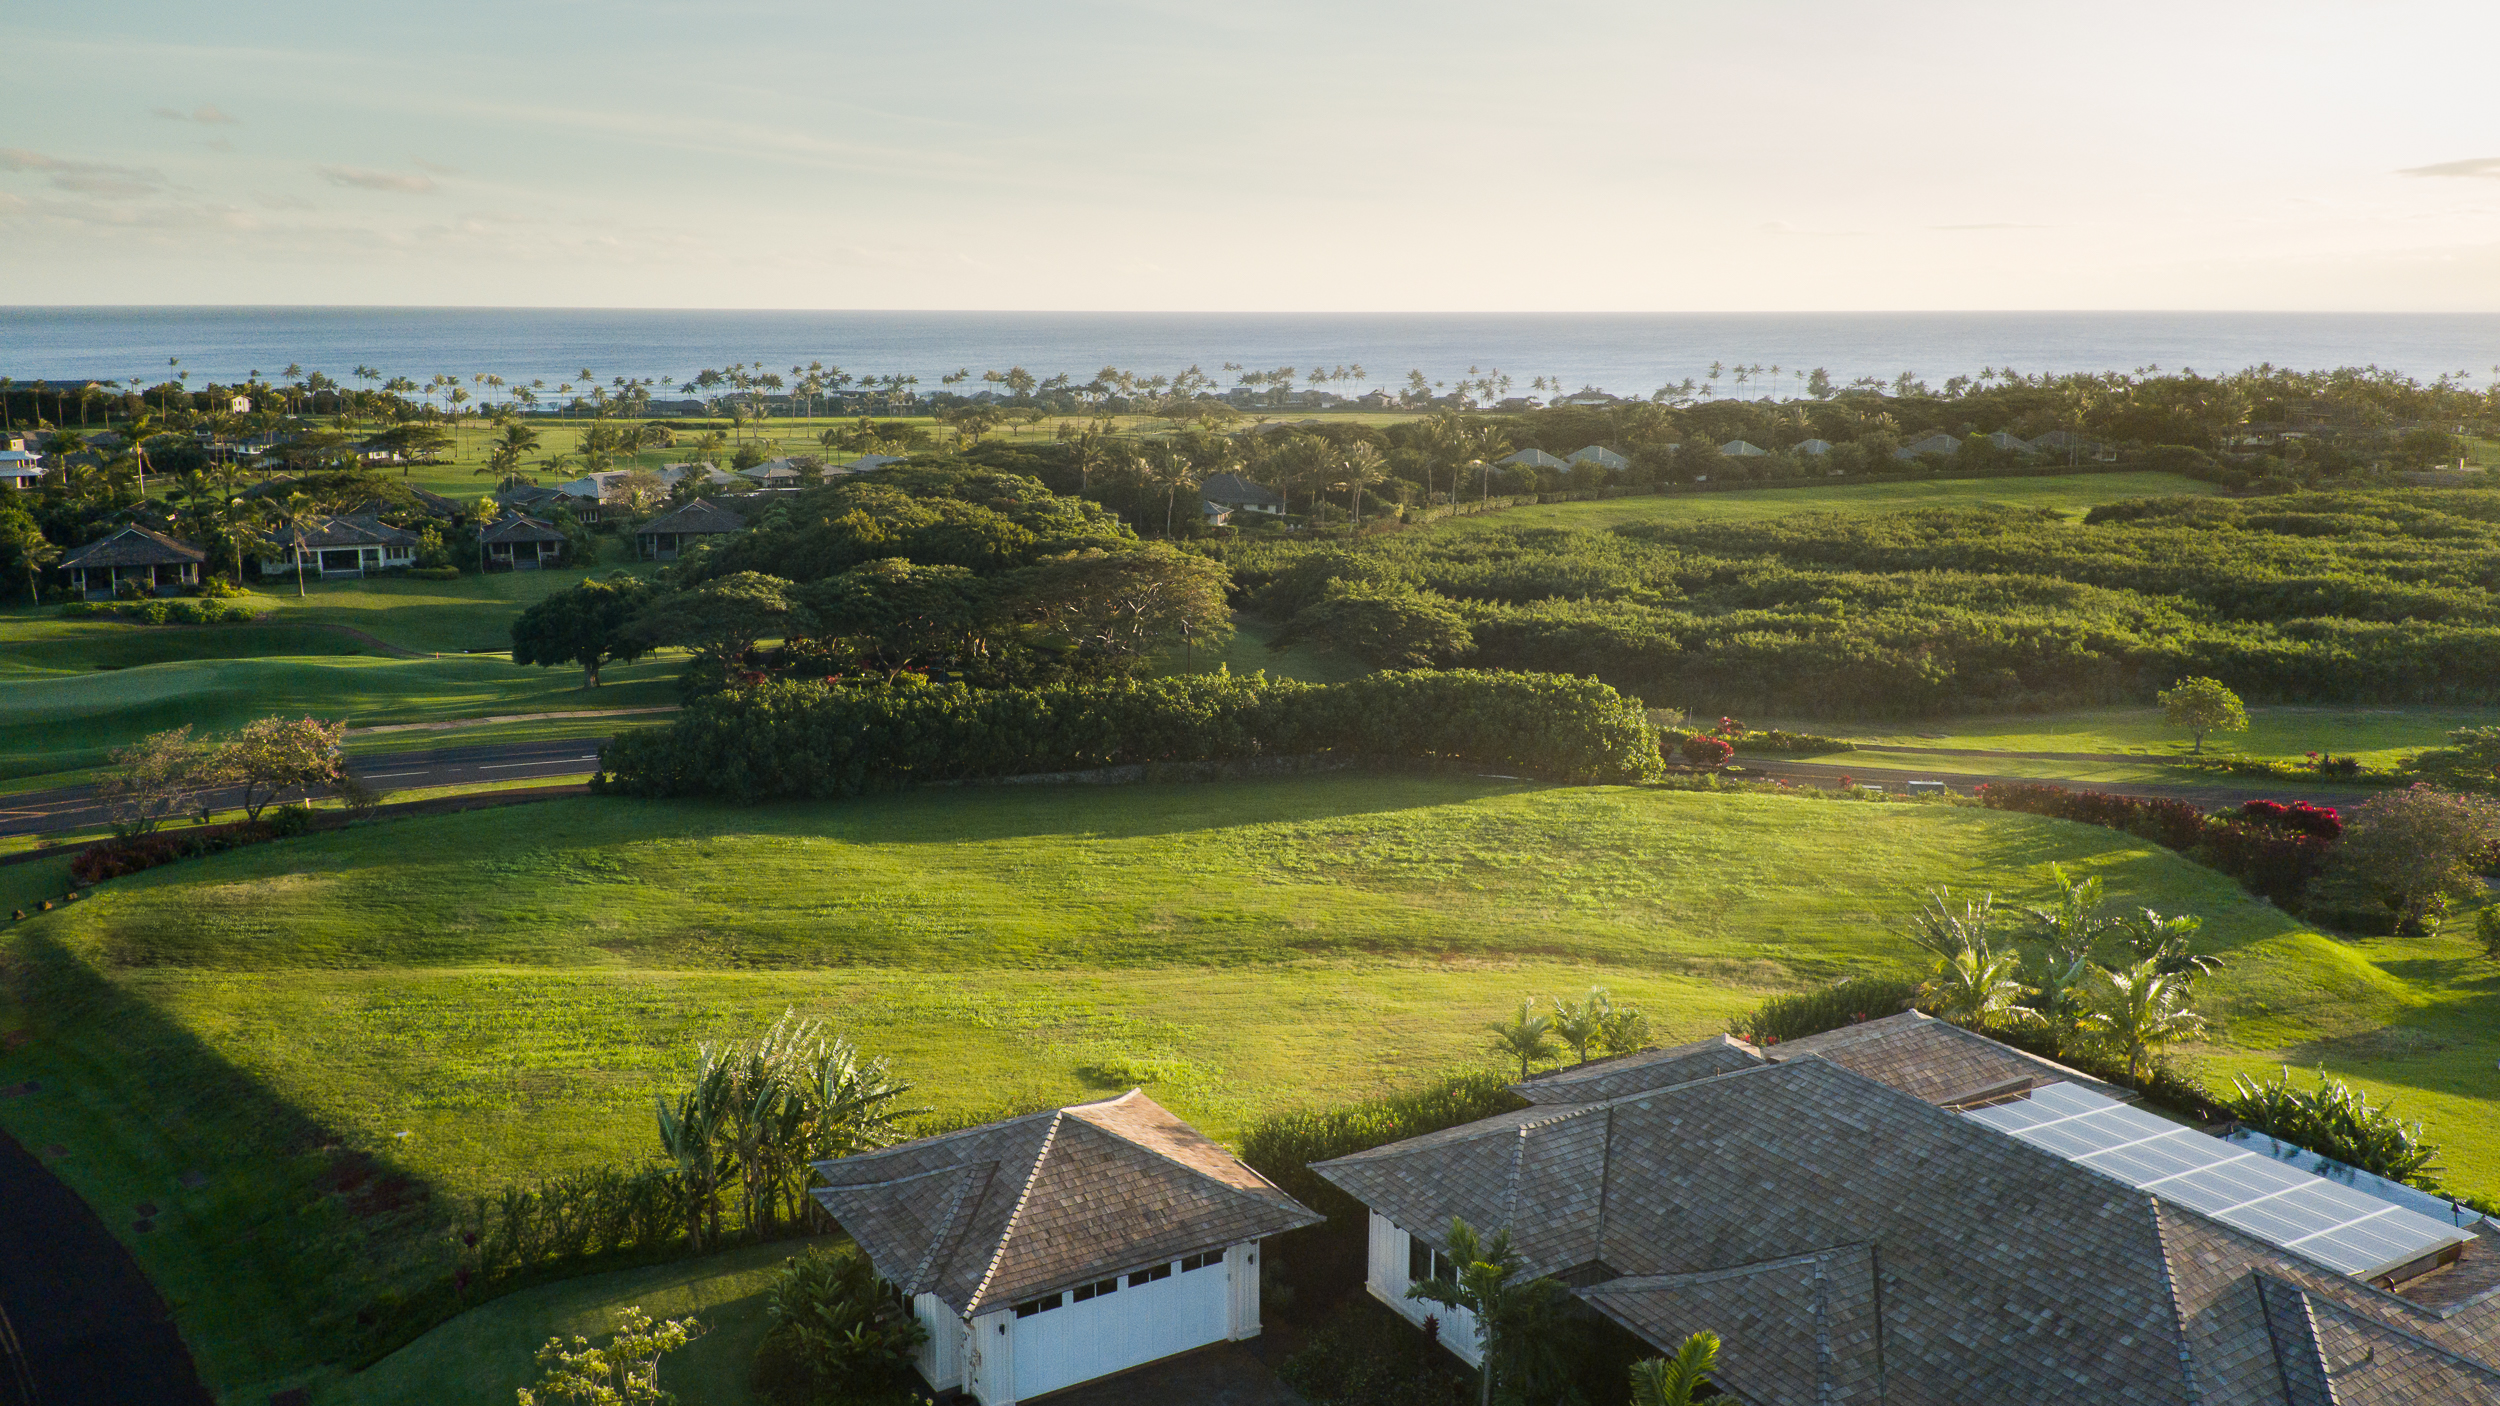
1098	1288
1043	1304
1211	1257
1424	1262
1148	1276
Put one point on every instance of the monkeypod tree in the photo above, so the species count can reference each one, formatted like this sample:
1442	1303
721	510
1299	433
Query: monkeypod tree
585	624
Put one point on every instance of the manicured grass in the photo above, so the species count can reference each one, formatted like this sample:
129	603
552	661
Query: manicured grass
57	727
486	1354
2070	494
2379	736
473	612
490	997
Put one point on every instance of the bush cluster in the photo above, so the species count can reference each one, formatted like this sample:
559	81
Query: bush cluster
586	1215
2171	824
819	740
181	610
1795	1016
111	859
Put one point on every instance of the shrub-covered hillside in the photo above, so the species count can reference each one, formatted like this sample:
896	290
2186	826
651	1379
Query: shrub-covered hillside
2381	596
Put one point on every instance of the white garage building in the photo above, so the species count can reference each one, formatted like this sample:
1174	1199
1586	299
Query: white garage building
1055	1248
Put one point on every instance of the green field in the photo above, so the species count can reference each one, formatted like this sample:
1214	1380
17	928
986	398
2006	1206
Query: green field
2070	494
487	997
2379	736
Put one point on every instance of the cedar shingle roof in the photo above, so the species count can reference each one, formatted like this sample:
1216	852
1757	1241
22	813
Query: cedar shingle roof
2000	1272
1234	491
519	528
700	517
133	546
1633	1073
339	533
1933	1059
1001	1212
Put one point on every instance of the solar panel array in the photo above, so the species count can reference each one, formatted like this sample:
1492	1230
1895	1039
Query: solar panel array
2332	1224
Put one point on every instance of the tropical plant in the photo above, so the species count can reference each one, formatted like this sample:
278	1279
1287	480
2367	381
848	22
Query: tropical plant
2163	941
2333	1120
624	1372
1582	1023
1978	988
2139	1008
1663	1381
1520	1323
585	624
839	1332
24	541
1526	1037
2203	705
2070	928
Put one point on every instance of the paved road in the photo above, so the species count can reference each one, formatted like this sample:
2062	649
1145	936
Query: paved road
75	807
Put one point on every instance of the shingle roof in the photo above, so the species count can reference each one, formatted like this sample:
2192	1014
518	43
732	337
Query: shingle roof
1006	1210
519	528
133	546
1757	1307
1601	456
1533	458
336	533
1933	1059
1232	490
697	518
1634	1073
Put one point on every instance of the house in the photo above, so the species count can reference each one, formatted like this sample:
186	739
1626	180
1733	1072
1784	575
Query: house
1588	396
775	473
1938	443
1058	1247
1224	493
1740	449
136	554
1602	457
339	546
518	542
1534	459
20	466
700	521
1812	446
2011	444
1901	1211
866	462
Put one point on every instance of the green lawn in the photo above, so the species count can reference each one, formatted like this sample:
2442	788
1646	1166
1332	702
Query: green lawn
2379	736
487	997
2070	494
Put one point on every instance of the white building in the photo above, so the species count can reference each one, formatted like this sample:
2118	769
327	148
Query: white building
1055	1248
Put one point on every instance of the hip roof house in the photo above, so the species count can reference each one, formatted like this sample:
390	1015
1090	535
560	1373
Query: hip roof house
698	522
1222	494
1059	1247
519	542
340	546
136	554
1903	1212
1534	459
1601	456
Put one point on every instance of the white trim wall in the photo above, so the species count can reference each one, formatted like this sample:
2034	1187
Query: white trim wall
1005	1357
1387	1280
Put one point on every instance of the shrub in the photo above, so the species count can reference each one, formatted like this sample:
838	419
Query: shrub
2418	848
2333	1120
1705	751
2174	824
835	739
839	1333
435	573
2296	817
2277	863
1366	1356
1806	1013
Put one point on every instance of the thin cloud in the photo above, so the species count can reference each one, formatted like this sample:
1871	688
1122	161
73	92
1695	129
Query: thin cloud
206	114
84	177
2485	167
436	167
281	202
375	180
1992	226
169	114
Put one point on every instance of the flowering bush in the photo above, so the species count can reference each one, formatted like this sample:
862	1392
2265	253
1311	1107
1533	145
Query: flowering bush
2296	817
1703	750
2173	824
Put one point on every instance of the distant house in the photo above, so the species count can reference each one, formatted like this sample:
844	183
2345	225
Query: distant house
1901	1210
1534	459
2012	444
1059	1247
1944	444
140	555
518	542
20	466
1225	493
1739	449
1812	446
340	546
1602	457
1588	397
775	473
432	505
700	521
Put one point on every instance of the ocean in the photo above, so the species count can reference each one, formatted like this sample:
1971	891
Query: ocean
1626	353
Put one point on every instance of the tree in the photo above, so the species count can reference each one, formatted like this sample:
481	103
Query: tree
907	613
1521	1323
2139	1008
586	624
292	517
1526	1037
2203	705
2071	928
1385	626
2418	848
1124	606
1972	984
626	1372
1664	1381
1358	468
1163	466
27	547
272	756
719	619
151	781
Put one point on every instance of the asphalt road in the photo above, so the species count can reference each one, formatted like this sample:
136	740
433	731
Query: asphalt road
75	807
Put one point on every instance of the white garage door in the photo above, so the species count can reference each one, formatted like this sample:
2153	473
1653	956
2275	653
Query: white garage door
1119	1322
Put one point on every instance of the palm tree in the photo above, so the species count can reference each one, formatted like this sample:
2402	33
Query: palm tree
1978	988
1519	1324
1582	1023
1664	1381
1526	1036
2072	927
2164	942
1357	469
1164	466
292	517
2140	1008
31	546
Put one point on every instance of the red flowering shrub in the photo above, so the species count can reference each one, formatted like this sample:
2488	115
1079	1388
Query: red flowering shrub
2277	863
1705	751
2294	817
2172	824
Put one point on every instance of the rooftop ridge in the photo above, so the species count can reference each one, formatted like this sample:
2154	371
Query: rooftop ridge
2170	1296
951	1224
1198	1172
2412	1339
1024	1193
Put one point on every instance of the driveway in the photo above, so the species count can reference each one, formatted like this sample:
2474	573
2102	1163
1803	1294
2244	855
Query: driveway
1227	1374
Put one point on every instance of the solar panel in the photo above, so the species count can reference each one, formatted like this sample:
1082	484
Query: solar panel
2336	1225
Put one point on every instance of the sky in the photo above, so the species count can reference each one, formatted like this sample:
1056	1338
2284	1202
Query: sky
1154	155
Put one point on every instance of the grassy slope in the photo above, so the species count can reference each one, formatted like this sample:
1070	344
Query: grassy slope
509	988
2067	493
2377	735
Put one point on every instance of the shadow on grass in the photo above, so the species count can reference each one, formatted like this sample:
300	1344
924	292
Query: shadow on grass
278	1248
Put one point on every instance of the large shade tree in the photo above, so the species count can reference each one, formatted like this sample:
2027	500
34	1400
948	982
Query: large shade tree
585	625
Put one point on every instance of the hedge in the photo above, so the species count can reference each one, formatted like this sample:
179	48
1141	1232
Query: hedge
2175	824
820	740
